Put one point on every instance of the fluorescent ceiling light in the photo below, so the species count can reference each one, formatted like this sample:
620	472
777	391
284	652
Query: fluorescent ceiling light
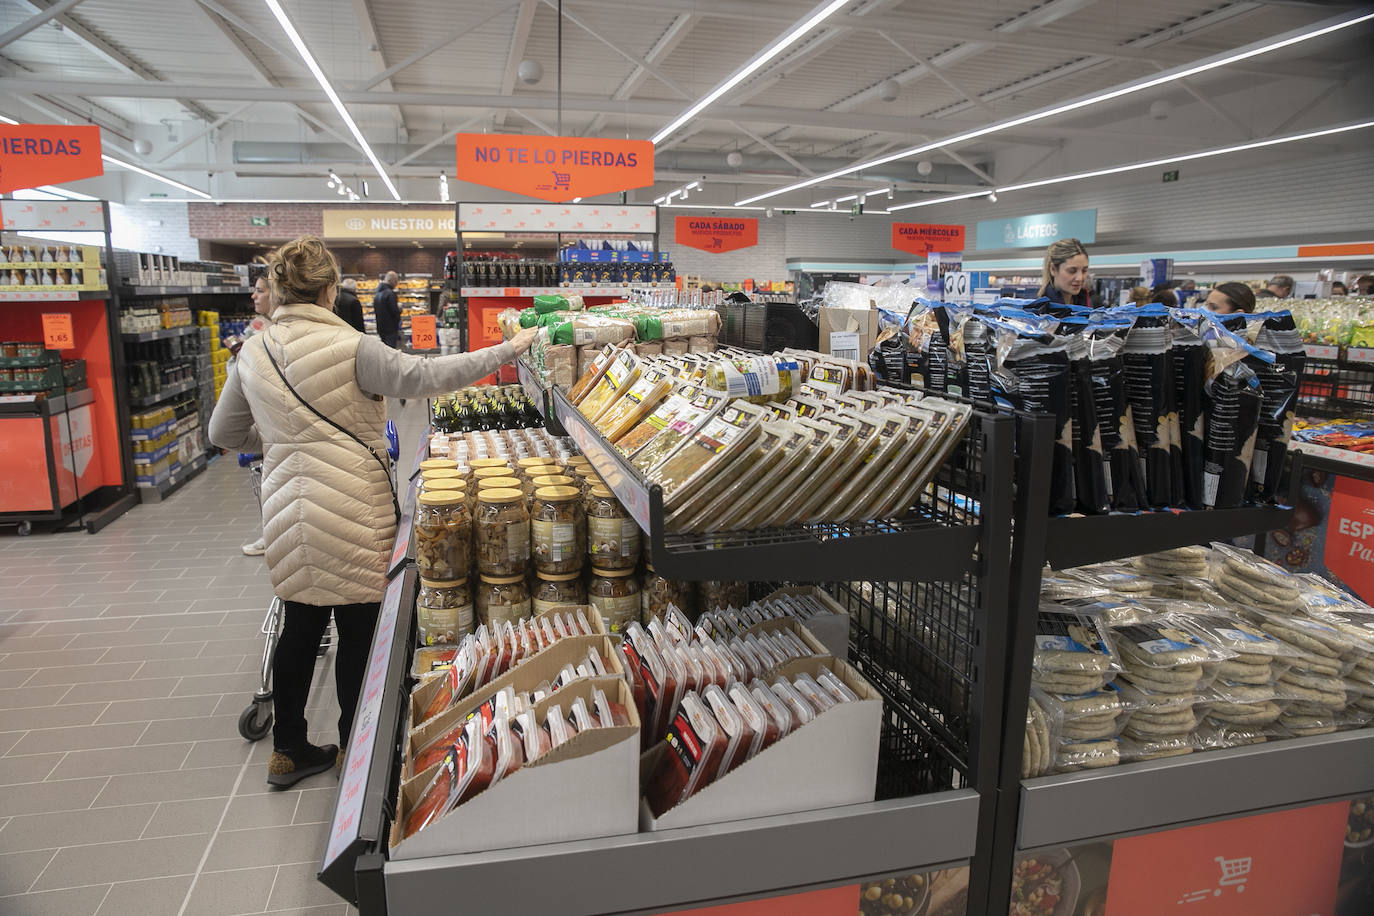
155	176
1135	166
291	33
789	38
1325	27
64	193
819	203
846	198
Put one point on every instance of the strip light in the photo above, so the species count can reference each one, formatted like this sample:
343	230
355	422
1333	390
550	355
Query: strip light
155	176
291	33
1326	27
992	193
817	16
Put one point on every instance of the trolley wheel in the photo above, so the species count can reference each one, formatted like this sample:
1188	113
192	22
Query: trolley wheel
255	722
25	528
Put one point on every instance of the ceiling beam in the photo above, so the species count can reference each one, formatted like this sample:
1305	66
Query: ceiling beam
447	39
520	36
672	36
367	30
218	122
42	17
447	135
866	123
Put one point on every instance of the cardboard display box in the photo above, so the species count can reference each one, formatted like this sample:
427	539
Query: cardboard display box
848	333
583	789
831	630
831	761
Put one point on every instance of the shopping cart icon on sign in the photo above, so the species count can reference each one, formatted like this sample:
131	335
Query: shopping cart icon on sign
1234	872
562	181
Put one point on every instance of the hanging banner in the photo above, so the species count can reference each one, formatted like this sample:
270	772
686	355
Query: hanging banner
1349	548
39	154
717	234
554	168
923	238
406	223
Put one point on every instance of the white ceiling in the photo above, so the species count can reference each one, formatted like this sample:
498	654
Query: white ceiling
160	70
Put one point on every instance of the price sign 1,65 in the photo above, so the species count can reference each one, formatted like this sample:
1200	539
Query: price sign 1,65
57	331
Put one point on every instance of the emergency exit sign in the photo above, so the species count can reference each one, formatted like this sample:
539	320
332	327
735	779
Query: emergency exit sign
1171	175
262	220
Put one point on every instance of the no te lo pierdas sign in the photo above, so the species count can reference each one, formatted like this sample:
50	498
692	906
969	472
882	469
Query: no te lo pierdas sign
555	169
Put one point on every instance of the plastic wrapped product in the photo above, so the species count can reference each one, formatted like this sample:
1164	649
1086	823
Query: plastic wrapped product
704	407
845	452
1154	748
1234	398
774	706
1115	418
1279	381
1041	371
803	713
536	741
618	378
946	424
897	435
609	714
761	727
696	746
1072	652
596	367
699	458
1091	484
560	731
782	448
1162	643
1150	392
636	404
442	787
1082	755
1190	366
510	749
586	329
738	733
819	698
1214	734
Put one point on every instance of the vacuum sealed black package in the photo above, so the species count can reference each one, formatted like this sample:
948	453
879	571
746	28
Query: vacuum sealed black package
1190	368
1234	397
1115	421
934	365
1280	336
1150	391
1091	479
1038	380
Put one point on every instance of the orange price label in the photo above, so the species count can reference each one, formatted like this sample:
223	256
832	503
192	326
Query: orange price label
57	331
423	335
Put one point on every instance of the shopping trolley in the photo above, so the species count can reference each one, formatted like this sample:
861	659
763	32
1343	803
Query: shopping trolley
255	722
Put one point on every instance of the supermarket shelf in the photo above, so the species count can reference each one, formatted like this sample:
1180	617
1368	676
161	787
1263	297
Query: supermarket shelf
1341	456
163	394
698	866
185	290
539	396
474	292
24	405
160	334
53	294
1076	540
158	492
1157	794
926	545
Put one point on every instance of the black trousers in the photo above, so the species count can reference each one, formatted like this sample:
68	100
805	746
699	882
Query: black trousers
293	666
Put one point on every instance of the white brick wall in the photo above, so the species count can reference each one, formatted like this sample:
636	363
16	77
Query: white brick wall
781	237
155	227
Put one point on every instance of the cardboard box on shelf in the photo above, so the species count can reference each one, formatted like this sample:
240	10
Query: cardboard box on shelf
830	630
848	333
587	787
831	761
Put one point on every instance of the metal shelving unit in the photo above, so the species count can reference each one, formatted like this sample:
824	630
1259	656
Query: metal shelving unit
163	394
160	334
156	493
185	290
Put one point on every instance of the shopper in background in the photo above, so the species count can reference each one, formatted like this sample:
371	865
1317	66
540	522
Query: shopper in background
387	310
1227	298
1364	285
347	306
1163	295
1064	276
1281	286
1339	289
1188	285
308	394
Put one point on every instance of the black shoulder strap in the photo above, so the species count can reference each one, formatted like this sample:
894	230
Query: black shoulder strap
395	505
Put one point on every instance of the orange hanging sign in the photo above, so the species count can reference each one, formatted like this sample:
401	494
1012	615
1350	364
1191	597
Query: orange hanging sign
923	238
37	154
717	233
423	335
57	331
556	169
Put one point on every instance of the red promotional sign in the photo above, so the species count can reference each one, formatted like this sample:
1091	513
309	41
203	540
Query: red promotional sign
57	331
554	168
717	233
423	335
1286	862
923	238
39	154
1349	549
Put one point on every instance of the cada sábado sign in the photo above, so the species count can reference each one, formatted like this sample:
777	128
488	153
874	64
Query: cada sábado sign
32	155
716	233
555	169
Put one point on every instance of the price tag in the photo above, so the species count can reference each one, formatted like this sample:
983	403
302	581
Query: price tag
423	335
510	291
1320	351
1360	354
57	331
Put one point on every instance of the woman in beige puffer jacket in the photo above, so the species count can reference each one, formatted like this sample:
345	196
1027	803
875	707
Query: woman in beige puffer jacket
329	516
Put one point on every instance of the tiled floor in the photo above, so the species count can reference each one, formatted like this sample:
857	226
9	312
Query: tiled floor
125	660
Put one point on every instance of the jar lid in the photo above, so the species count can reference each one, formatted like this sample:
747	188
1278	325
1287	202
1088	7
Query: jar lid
557	493
430	464
489	463
602	491
440	498
502	580
489	483
446	486
558	577
484	472
444	583
555	480
612	573
500	495
439	473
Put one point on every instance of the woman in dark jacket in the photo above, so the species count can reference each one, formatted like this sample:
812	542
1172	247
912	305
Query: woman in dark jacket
1064	277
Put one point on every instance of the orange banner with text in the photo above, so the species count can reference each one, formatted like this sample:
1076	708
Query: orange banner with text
923	238
1349	548
1285	862
37	154
716	233
554	168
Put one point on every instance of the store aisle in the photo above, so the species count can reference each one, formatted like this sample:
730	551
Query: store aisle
125	660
